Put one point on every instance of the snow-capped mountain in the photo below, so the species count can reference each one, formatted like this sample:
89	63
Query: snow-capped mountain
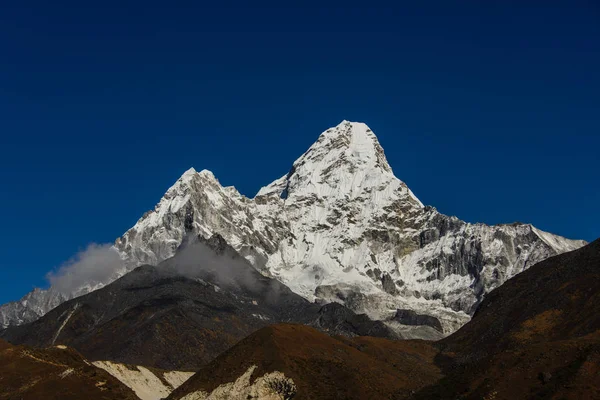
339	226
32	306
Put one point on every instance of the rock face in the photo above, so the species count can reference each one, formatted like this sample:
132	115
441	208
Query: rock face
409	317
184	312
535	337
32	306
339	226
335	319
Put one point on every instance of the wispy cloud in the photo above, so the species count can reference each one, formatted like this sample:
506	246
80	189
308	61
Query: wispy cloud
97	264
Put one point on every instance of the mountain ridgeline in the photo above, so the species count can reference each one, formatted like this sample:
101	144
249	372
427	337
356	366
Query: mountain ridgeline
184	312
304	291
337	227
536	337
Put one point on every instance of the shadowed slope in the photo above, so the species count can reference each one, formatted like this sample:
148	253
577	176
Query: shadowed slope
537	336
558	298
183	313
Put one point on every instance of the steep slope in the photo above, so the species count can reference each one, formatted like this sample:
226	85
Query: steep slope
557	299
54	373
32	306
183	313
293	361
339	226
537	336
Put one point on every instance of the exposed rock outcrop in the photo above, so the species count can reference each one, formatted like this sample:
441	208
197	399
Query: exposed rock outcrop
409	317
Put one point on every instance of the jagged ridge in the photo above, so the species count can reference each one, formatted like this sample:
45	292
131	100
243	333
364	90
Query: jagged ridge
339	226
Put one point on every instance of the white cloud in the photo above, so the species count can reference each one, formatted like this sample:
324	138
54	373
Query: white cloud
98	263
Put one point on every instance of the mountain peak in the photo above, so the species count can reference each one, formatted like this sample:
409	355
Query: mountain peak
207	173
346	122
189	173
192	175
344	160
339	222
353	141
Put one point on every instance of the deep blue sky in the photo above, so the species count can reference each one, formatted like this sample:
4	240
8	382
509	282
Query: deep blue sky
488	110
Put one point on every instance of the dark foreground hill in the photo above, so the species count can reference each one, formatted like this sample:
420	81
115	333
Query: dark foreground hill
183	313
312	365
54	373
537	336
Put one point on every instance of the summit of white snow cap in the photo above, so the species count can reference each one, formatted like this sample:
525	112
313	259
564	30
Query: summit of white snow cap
189	172
354	143
207	173
187	176
360	126
357	132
